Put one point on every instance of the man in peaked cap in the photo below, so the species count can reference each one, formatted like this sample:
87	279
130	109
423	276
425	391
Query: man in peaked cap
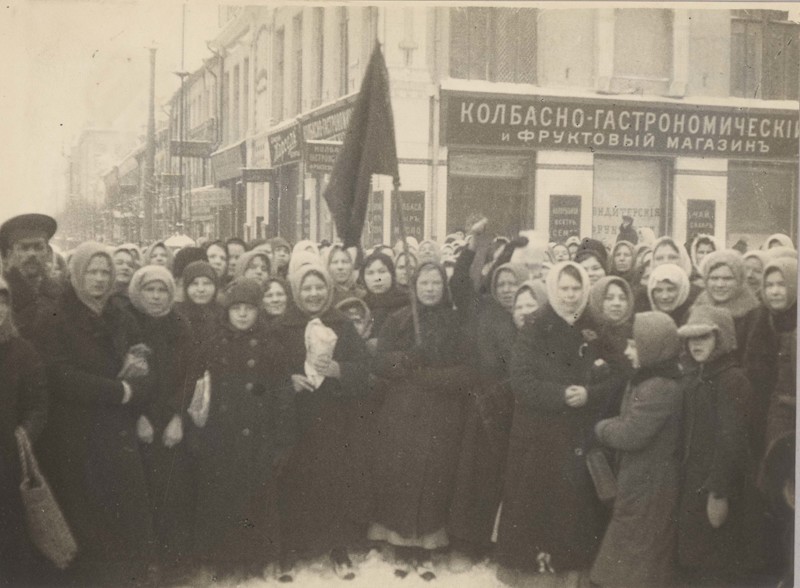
24	250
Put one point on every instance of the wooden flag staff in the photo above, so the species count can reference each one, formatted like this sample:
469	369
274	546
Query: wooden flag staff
412	291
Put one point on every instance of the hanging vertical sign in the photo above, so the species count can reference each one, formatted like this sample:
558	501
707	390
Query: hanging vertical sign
375	218
700	217
565	217
413	206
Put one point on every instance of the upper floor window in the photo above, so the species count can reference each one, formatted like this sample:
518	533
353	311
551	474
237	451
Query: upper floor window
765	55
643	44
277	78
494	44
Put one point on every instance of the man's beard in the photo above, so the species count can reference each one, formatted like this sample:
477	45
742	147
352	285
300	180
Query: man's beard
31	268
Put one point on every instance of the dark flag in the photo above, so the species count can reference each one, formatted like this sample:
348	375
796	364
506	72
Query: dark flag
369	148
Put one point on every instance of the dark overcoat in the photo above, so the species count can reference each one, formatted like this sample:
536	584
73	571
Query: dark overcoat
250	422
549	501
421	421
639	544
89	449
32	307
716	458
326	487
168	471
23	398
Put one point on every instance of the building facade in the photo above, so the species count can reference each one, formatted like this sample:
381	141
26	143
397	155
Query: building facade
562	120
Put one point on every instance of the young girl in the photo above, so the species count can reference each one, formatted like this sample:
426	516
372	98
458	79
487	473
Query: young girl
638	546
250	426
716	545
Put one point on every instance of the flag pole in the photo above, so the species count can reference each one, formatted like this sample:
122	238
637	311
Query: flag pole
412	289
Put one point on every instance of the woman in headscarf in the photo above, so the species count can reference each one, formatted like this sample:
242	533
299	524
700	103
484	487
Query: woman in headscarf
611	308
125	265
277	299
592	255
429	250
342	270
530	297
668	292
249	428
325	488
158	254
24	404
778	240
701	246
482	458
89	448
725	287
199	308
254	265
552	519
754	262
383	296
415	460
667	250
573	243
719	518
622	262
303	251
770	363
404	267
558	252
160	427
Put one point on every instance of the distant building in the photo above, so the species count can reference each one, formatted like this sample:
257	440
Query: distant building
558	119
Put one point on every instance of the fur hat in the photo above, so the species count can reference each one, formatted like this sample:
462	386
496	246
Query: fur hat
186	256
243	291
710	319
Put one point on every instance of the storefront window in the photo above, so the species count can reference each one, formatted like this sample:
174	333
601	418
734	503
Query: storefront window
494	44
491	185
762	200
630	187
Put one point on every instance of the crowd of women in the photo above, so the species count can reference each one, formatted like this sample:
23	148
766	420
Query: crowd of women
617	416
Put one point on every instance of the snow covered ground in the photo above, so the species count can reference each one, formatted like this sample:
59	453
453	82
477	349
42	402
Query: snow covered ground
372	572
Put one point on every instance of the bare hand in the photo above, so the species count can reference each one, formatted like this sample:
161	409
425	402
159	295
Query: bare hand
331	370
144	430
717	510
301	383
173	433
576	396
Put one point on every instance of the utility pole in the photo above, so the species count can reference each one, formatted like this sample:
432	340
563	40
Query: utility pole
150	154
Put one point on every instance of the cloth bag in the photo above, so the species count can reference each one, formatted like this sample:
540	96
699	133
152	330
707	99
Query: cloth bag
201	400
47	527
320	343
605	484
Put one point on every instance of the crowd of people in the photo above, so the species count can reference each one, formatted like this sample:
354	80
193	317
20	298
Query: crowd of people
618	415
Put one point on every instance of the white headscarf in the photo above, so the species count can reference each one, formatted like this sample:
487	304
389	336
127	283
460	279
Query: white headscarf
552	291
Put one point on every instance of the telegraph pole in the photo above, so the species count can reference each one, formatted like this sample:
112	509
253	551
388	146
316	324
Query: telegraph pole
150	154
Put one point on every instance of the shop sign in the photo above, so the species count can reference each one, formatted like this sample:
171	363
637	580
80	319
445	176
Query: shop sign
285	145
320	156
375	218
256	174
565	217
700	217
413	206
329	122
190	148
228	163
580	124
204	200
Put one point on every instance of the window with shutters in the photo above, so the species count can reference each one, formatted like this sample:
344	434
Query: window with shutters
494	44
765	55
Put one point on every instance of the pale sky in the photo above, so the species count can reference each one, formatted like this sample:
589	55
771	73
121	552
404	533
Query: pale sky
68	63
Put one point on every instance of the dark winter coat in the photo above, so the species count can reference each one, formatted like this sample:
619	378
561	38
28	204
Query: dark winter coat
382	305
549	501
421	420
89	449
23	398
716	459
326	485
32	308
168	471
250	422
638	547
